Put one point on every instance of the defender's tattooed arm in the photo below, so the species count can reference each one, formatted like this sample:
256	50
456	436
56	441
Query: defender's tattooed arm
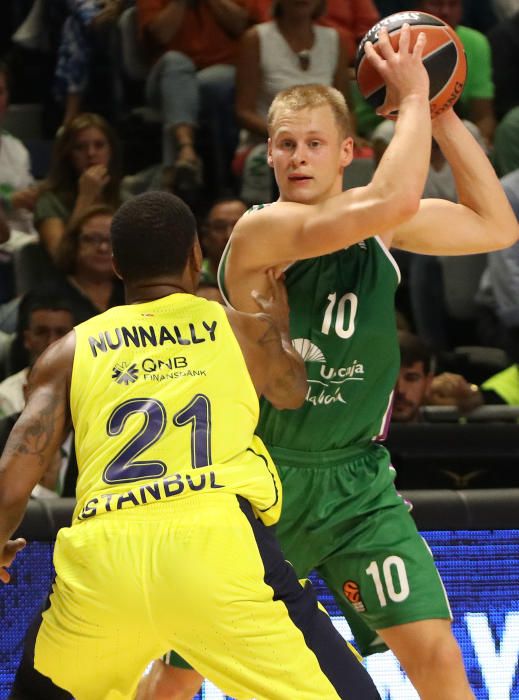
34	440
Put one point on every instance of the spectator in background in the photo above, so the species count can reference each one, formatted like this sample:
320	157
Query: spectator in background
414	379
214	234
353	19
291	49
85	25
85	171
477	100
85	260
418	386
501	388
43	320
504	40
479	14
506	143
18	193
193	49
505	8
499	288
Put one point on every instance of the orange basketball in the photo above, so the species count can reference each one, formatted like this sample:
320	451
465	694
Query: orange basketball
443	57
351	591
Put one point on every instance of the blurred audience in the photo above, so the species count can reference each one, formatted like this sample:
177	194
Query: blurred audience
87	23
418	386
214	234
506	143
43	319
499	288
85	170
18	191
477	99
193	49
504	42
353	19
84	258
414	378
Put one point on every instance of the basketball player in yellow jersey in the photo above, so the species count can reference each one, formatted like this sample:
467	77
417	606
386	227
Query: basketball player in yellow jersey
168	547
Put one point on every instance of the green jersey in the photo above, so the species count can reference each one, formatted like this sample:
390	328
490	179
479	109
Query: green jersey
342	321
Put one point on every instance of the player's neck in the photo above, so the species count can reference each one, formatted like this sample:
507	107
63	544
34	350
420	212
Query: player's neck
150	290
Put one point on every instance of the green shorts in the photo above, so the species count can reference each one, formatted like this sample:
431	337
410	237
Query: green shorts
343	517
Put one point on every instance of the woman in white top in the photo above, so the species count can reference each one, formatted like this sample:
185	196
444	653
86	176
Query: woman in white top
289	50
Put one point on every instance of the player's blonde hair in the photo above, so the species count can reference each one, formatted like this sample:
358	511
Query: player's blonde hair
311	96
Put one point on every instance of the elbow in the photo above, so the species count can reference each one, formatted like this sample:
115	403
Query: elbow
504	235
510	235
292	399
406	206
397	205
297	398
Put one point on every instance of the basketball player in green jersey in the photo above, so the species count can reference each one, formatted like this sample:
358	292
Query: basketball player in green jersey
341	514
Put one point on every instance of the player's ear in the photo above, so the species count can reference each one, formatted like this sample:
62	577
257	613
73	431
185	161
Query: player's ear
196	255
116	269
346	151
269	153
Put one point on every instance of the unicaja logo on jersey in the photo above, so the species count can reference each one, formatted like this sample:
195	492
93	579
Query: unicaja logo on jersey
125	374
328	387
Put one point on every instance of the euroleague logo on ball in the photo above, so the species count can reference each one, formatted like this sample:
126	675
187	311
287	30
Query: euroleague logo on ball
351	591
443	57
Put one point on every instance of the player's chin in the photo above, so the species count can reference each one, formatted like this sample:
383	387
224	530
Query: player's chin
303	192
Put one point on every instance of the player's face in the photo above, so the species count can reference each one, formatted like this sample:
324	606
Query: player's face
410	391
449	11
308	154
94	253
46	326
91	147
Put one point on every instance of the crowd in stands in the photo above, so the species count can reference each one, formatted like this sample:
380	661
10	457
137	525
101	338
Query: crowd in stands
129	95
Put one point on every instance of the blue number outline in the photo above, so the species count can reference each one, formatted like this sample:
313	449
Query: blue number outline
151	431
200	430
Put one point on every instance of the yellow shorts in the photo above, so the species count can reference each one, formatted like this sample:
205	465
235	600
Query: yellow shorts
202	576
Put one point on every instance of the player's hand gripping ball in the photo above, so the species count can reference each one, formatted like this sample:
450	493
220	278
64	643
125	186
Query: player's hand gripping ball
443	57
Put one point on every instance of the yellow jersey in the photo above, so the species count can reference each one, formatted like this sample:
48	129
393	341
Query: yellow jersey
163	407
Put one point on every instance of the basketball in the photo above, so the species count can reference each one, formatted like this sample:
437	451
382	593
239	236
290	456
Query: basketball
443	57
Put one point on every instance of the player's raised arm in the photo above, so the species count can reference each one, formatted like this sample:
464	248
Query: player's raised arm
277	370
309	147
482	220
33	442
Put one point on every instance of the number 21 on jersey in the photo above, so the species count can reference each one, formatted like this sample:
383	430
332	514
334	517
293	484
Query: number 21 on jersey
126	467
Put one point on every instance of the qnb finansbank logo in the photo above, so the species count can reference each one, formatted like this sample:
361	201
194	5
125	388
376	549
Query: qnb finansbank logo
329	387
124	373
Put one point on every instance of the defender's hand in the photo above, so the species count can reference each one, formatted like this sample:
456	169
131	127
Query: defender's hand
276	306
7	556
